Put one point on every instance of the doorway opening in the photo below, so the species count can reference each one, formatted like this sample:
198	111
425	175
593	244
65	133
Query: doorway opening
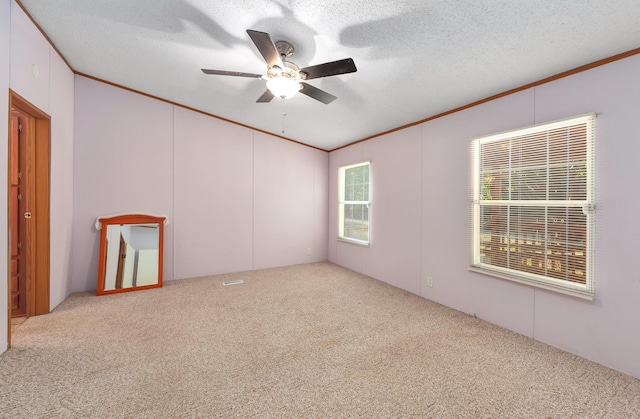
29	161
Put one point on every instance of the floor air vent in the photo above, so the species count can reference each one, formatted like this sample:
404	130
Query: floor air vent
235	282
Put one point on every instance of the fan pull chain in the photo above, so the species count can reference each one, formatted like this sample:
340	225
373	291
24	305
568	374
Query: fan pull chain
284	113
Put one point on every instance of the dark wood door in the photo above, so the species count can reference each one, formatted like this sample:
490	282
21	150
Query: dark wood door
17	213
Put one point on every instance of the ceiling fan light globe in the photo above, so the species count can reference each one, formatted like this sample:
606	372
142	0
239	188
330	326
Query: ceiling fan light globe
283	87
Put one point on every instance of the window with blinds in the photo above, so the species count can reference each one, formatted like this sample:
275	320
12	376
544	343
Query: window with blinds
532	205
354	203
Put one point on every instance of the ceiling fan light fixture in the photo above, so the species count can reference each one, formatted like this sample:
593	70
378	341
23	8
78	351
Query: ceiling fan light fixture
283	87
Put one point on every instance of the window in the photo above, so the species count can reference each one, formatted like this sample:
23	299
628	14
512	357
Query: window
354	201
532	205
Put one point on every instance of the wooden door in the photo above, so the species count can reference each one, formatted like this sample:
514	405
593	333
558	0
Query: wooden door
32	236
17	211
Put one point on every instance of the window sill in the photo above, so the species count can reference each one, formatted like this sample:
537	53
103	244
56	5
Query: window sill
550	285
353	241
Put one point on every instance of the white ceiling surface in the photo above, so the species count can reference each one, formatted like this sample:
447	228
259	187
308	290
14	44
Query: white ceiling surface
415	58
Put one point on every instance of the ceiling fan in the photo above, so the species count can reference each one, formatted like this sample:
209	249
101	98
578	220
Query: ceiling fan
284	78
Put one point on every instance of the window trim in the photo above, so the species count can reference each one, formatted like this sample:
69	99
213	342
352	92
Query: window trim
585	291
342	202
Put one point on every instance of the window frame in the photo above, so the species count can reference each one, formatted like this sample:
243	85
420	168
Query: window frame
342	202
587	205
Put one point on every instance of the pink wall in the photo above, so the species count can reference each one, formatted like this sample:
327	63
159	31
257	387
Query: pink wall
435	186
445	216
61	110
5	36
394	253
51	90
213	175
290	203
607	328
395	173
236	199
122	163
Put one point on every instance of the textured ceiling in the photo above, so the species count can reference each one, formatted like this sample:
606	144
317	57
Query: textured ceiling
415	58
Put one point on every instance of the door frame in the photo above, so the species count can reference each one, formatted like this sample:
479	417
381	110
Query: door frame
38	187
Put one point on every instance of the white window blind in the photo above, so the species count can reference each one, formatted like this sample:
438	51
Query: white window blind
354	202
532	205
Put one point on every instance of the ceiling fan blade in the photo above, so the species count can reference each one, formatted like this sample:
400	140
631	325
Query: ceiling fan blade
266	47
333	68
317	94
231	73
266	97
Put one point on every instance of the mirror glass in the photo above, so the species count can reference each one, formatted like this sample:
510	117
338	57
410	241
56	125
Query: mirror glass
130	253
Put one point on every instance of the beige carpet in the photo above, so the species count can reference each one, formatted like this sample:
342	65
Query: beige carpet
312	340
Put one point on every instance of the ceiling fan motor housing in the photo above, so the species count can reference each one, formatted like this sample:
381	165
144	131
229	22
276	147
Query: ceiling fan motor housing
285	49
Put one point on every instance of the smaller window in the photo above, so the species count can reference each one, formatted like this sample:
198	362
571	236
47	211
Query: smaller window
354	202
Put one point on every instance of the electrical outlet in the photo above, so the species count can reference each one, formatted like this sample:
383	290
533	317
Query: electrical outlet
308	250
429	281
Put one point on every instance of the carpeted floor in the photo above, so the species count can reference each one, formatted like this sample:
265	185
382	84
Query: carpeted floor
306	341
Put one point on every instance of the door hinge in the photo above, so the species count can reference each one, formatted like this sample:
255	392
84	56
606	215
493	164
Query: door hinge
19	175
19	245
19	197
20	127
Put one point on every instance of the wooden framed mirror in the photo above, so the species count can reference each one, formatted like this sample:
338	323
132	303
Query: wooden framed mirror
130	253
